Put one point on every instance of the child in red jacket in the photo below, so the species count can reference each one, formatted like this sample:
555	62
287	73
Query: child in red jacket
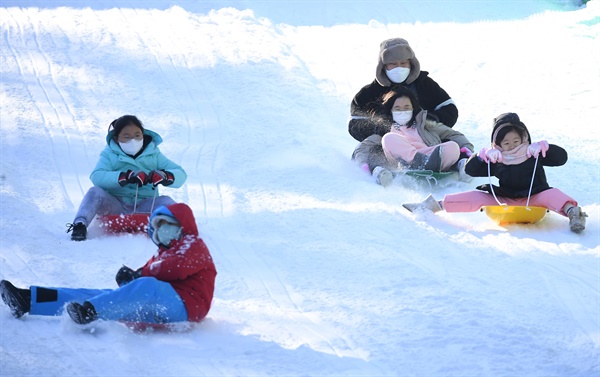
175	285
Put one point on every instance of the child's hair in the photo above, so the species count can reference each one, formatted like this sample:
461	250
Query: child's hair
390	97
120	123
504	123
503	130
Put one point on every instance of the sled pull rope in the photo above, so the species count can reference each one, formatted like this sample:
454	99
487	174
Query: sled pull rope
431	178
530	185
154	199
532	177
492	186
428	175
136	196
136	200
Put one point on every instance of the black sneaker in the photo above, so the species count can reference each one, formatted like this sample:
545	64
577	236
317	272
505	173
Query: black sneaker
17	299
82	313
79	231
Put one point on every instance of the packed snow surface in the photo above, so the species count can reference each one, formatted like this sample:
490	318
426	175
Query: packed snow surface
321	272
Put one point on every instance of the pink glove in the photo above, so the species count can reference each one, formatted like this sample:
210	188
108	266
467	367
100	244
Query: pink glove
534	149
490	155
466	151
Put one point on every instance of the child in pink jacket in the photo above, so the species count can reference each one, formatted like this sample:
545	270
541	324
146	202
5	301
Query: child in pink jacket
417	143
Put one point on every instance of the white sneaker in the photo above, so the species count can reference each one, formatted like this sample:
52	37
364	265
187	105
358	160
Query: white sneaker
383	176
429	204
462	175
576	219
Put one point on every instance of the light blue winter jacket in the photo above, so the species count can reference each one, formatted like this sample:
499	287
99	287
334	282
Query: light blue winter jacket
113	161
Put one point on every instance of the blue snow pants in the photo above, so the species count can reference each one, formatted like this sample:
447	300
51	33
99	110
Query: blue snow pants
99	202
145	299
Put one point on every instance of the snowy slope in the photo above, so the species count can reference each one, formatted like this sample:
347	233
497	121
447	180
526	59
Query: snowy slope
321	271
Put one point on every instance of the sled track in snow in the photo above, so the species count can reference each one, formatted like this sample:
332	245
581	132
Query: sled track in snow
576	294
196	133
49	100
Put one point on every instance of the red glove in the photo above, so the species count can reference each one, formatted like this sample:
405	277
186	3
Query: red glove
160	177
135	177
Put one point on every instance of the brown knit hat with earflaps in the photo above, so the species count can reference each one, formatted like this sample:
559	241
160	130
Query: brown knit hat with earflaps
392	50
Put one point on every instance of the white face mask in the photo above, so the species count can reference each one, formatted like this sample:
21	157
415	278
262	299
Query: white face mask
402	117
167	232
132	147
398	74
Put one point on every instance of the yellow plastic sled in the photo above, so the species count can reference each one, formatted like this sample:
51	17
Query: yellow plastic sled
515	214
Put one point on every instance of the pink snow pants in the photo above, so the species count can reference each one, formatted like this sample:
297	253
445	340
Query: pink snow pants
397	146
471	201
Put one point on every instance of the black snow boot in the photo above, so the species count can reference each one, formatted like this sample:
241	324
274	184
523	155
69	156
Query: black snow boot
79	231
434	162
17	299
82	313
422	161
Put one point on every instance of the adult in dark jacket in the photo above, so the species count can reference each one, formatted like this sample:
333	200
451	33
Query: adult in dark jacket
397	65
175	285
519	166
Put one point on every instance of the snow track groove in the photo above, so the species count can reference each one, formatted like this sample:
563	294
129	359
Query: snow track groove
46	92
268	293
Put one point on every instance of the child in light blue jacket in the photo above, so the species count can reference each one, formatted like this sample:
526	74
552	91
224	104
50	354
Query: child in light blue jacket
127	176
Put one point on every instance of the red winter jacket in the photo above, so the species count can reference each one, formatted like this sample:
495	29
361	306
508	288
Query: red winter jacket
187	265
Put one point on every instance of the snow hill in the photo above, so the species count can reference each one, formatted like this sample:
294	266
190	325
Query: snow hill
321	272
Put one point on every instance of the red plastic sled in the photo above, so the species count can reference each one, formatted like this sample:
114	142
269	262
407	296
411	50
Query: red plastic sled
124	223
146	327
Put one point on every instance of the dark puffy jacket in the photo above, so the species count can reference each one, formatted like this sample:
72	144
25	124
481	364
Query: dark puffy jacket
514	180
187	265
367	102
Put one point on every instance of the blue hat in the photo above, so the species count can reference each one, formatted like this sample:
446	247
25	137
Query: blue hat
160	213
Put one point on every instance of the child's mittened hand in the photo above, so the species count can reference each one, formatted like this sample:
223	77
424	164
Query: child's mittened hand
130	176
124	275
162	177
137	177
466	151
483	154
494	155
490	155
535	148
